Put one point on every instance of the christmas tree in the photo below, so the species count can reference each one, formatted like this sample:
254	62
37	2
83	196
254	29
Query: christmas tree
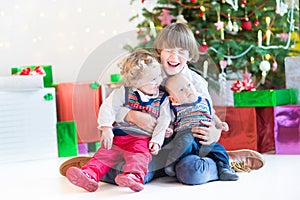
242	38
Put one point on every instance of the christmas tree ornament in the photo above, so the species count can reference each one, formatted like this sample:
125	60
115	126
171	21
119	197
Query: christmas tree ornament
204	47
202	13
284	36
222	76
229	25
180	19
234	4
264	66
235	28
252	60
256	22
165	17
193	1
219	25
243	3
246	25
223	65
229	61
281	7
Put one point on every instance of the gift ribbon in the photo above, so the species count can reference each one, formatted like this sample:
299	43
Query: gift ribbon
38	70
48	97
245	85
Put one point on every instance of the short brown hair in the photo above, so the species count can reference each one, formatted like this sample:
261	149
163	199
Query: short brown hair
176	35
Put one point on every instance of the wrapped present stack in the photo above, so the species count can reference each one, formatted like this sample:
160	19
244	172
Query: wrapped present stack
276	122
75	106
27	117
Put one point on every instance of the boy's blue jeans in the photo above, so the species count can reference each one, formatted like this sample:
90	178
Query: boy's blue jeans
190	170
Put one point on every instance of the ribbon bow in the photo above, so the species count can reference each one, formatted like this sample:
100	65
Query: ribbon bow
38	70
245	85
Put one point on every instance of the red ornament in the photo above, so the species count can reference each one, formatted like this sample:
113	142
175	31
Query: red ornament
256	22
201	13
244	2
193	1
247	25
203	48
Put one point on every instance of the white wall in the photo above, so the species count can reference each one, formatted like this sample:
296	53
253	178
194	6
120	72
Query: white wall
79	38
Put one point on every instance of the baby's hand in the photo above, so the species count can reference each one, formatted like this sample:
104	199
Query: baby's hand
154	148
224	126
169	132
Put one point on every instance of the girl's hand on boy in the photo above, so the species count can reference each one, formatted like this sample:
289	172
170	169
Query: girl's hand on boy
207	134
106	138
143	120
154	148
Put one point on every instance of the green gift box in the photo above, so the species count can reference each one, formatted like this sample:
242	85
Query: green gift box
67	139
263	98
48	79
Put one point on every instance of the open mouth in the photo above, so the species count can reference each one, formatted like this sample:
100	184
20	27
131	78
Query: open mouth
171	64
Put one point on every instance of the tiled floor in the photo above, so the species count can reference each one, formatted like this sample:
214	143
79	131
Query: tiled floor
278	179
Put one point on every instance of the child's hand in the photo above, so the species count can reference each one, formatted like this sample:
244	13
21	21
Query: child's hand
154	148
224	126
106	138
169	132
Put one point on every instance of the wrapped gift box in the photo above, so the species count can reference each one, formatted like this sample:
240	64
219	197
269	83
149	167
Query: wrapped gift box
264	98
242	132
287	129
67	139
83	148
292	73
48	78
80	102
27	125
21	82
265	129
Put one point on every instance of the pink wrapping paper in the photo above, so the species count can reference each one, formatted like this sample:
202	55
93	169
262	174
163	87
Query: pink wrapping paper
287	129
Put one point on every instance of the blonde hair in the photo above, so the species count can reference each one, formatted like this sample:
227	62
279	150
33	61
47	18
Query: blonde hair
176	35
133	66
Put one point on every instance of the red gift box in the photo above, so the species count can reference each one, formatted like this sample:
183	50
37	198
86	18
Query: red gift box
80	102
242	132
265	129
